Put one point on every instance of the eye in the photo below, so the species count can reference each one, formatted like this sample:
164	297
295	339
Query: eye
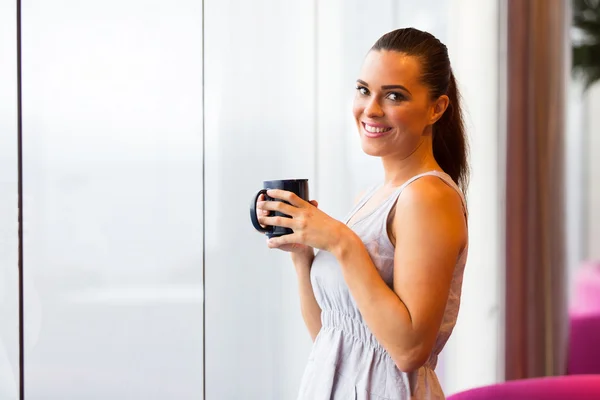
362	90
395	96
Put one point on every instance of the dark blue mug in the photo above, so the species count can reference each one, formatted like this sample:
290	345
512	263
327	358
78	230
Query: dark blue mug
297	186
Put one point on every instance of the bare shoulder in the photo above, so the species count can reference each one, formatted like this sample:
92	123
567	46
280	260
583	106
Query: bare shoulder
428	192
432	204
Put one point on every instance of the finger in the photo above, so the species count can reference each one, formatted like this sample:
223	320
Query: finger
314	203
271	245
283	240
279	206
290	197
261	199
277	221
260	208
285	247
282	247
260	205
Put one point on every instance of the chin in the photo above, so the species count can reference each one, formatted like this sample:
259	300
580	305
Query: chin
373	151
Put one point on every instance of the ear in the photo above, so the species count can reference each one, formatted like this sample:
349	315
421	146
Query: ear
438	108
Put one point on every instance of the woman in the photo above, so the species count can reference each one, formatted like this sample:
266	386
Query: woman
381	297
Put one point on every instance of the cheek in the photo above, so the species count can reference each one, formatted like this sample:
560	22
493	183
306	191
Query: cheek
401	118
357	109
406	118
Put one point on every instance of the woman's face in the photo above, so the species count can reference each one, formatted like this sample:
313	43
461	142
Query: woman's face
392	108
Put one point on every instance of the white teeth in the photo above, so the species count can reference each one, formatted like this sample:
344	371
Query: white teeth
373	129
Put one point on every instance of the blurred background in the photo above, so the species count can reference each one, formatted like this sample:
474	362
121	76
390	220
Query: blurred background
147	126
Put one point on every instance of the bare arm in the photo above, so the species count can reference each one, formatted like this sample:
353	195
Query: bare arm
311	312
302	257
430	229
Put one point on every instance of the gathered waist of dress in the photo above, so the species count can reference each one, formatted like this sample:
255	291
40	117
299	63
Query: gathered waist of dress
356	329
350	326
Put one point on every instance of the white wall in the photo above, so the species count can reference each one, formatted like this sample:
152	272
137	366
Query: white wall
575	178
9	301
592	129
112	100
260	121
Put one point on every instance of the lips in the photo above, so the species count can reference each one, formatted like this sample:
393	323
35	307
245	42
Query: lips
375	130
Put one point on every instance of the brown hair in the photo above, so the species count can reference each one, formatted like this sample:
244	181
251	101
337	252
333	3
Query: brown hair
450	147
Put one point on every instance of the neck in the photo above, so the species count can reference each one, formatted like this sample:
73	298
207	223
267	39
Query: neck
399	169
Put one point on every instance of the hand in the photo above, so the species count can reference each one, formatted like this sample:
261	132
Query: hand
294	248
311	226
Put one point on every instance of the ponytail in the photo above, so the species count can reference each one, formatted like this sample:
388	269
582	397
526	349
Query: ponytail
449	141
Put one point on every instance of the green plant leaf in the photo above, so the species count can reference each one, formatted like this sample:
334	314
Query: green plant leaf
586	53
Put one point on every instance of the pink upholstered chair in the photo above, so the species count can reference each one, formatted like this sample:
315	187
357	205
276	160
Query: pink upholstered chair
574	387
584	344
584	318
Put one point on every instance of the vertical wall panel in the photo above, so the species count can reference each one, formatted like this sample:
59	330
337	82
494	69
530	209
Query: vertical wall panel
260	124
576	173
9	289
113	199
592	166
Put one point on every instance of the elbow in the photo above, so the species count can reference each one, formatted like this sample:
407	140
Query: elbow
408	366
410	361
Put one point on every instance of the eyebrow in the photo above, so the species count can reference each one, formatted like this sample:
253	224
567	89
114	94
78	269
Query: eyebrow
385	87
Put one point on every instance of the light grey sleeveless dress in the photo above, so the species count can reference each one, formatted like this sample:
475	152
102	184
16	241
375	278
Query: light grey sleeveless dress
346	361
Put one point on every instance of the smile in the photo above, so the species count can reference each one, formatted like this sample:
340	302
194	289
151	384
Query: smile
373	131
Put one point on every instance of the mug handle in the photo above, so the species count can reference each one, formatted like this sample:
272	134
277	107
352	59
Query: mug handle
254	217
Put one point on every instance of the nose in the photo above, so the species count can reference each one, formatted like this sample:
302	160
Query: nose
373	108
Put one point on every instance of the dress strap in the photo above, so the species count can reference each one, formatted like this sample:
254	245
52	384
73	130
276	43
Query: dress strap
363	200
440	174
